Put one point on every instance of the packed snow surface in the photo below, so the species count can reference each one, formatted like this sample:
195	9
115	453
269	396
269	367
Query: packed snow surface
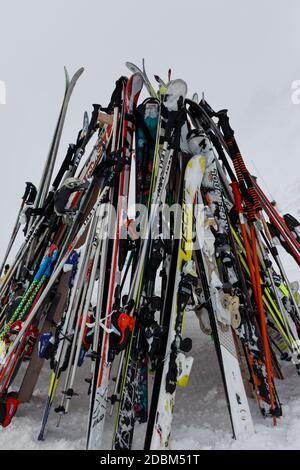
200	422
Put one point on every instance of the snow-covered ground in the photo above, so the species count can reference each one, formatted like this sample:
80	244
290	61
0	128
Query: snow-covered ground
200	422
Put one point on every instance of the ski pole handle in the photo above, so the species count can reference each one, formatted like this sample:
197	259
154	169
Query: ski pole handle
30	193
94	118
233	148
224	124
116	97
27	191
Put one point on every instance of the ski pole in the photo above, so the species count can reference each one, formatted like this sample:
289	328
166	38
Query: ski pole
242	175
82	316
63	353
100	200
27	198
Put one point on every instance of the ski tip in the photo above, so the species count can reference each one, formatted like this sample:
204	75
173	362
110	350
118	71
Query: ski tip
78	73
67	77
132	67
75	77
144	68
195	97
129	64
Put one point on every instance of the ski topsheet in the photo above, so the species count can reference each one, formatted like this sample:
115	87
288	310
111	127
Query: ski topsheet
176	366
48	169
170	131
221	319
95	430
192	205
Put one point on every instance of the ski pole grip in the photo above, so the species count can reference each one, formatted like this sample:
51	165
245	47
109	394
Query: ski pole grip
237	196
116	97
27	191
30	193
224	123
94	117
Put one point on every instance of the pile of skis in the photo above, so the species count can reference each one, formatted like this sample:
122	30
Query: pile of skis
91	285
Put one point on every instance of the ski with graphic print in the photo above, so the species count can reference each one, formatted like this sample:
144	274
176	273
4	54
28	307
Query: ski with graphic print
117	323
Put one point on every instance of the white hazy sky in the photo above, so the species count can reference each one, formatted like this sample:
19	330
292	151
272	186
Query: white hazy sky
243	54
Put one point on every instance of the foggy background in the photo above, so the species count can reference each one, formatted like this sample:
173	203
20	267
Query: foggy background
243	55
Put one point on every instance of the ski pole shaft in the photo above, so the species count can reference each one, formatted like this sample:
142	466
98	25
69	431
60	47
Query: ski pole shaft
83	312
276	256
22	250
266	347
27	198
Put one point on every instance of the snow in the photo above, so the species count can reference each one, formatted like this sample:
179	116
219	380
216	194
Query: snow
200	421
